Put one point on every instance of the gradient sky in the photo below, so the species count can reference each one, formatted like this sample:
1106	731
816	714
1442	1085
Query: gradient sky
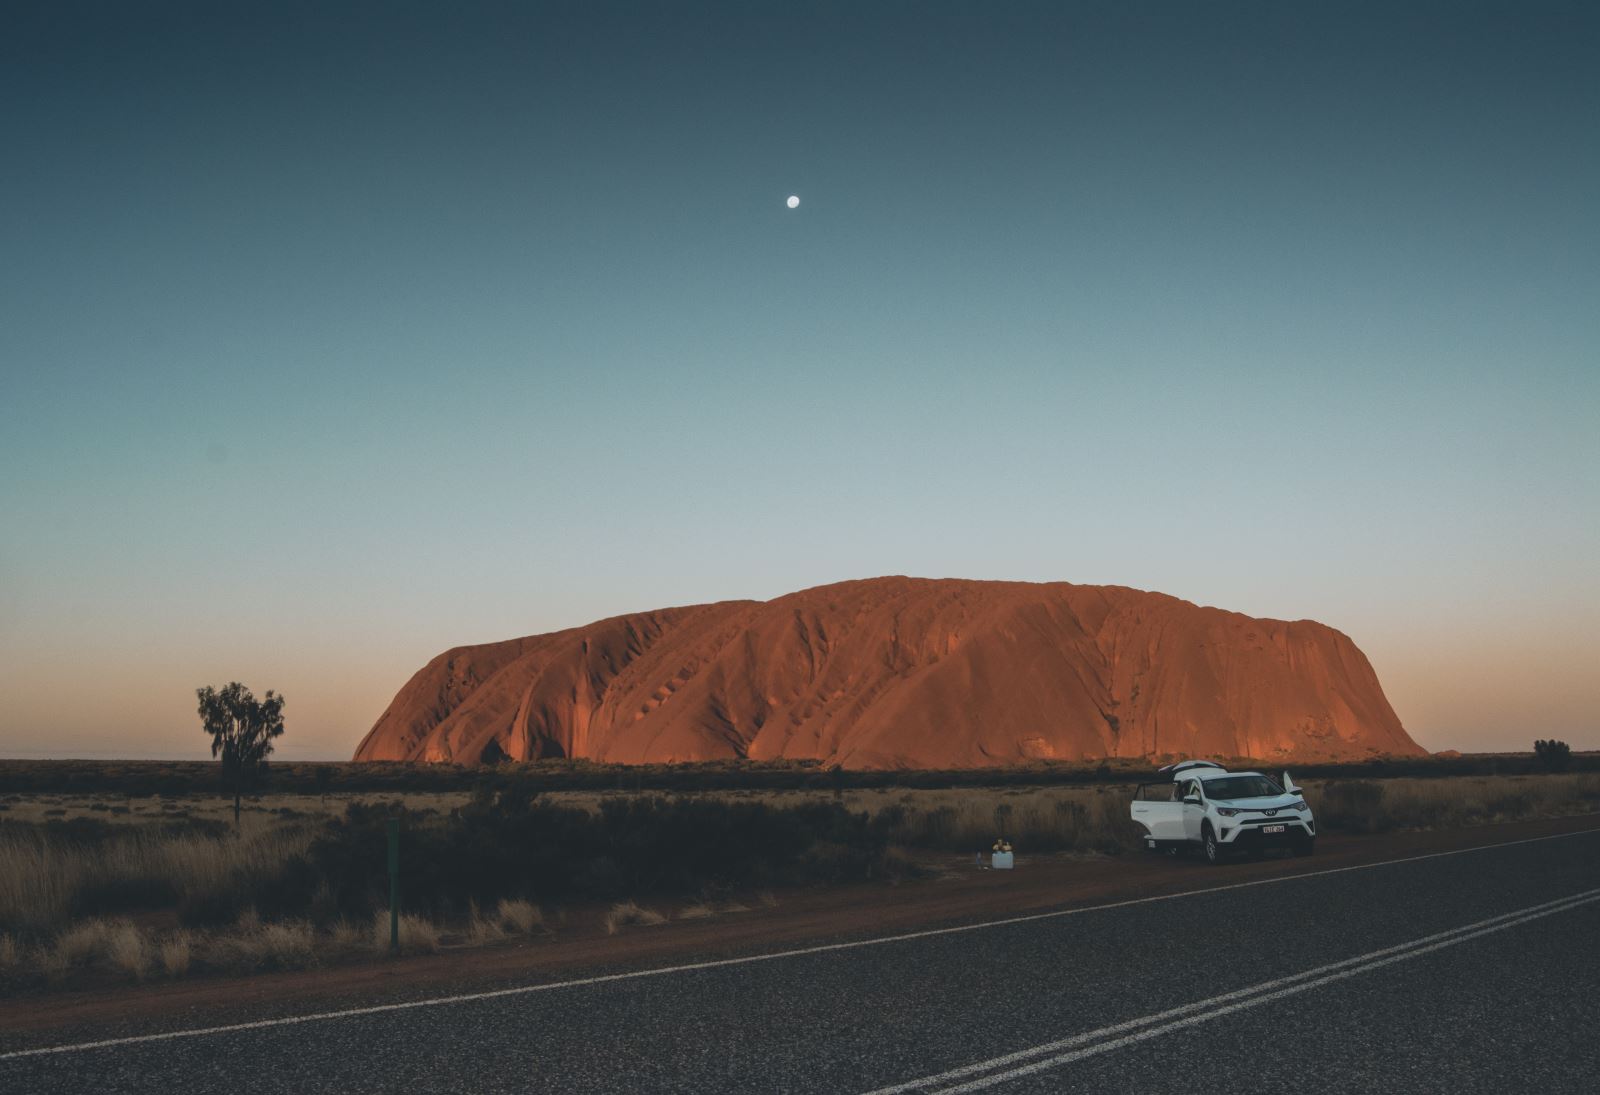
332	336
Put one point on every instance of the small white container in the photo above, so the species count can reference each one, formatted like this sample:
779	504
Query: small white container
1000	861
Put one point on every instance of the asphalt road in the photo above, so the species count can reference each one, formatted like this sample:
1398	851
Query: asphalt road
1464	972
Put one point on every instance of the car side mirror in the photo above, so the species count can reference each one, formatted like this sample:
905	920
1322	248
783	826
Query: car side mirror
1192	799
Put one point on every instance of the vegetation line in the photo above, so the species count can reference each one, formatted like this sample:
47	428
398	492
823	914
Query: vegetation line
823	948
142	895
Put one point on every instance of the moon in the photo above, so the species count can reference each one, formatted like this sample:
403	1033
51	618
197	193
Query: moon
793	202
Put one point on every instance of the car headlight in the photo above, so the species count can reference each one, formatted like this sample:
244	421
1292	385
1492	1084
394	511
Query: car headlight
1227	812
1301	806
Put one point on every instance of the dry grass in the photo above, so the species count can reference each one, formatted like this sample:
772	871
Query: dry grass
1095	819
56	895
418	935
627	913
127	951
50	961
44	881
518	916
1383	805
258	813
290	945
481	930
83	944
173	954
512	917
1072	819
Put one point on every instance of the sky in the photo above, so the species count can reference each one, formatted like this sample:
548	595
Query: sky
334	335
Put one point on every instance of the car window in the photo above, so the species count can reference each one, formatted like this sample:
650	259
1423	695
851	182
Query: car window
1251	786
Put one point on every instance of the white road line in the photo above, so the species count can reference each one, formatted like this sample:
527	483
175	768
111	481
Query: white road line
1254	1001
690	967
1163	1021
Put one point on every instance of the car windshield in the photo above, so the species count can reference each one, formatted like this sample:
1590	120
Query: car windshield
1232	787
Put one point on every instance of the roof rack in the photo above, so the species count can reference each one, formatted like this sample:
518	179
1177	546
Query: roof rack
1185	765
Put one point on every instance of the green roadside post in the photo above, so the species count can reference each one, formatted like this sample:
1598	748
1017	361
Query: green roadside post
394	885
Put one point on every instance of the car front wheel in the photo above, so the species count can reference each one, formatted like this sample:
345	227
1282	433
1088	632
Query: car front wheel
1213	849
1305	847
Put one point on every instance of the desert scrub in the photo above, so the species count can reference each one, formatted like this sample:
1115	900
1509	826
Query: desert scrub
626	913
502	846
519	916
127	951
1089	820
289	945
483	929
173	954
1377	806
56	873
418	935
82	944
348	936
296	890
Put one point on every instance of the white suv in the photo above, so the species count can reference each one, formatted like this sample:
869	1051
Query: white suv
1203	805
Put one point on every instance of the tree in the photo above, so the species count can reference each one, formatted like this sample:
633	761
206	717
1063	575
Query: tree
241	729
322	775
1554	755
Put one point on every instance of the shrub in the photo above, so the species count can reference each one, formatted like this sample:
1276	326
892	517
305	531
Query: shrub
210	909
286	946
625	913
282	946
124	893
50	961
1554	756
1355	806
518	916
503	843
1512	804
417	934
83	944
89	867
481	929
173	954
348	936
127	951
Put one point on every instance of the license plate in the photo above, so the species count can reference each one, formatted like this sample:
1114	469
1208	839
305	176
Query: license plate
1272	828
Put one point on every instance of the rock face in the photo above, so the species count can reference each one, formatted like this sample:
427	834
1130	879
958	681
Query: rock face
902	673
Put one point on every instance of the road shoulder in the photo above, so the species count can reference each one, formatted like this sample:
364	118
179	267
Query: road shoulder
963	894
